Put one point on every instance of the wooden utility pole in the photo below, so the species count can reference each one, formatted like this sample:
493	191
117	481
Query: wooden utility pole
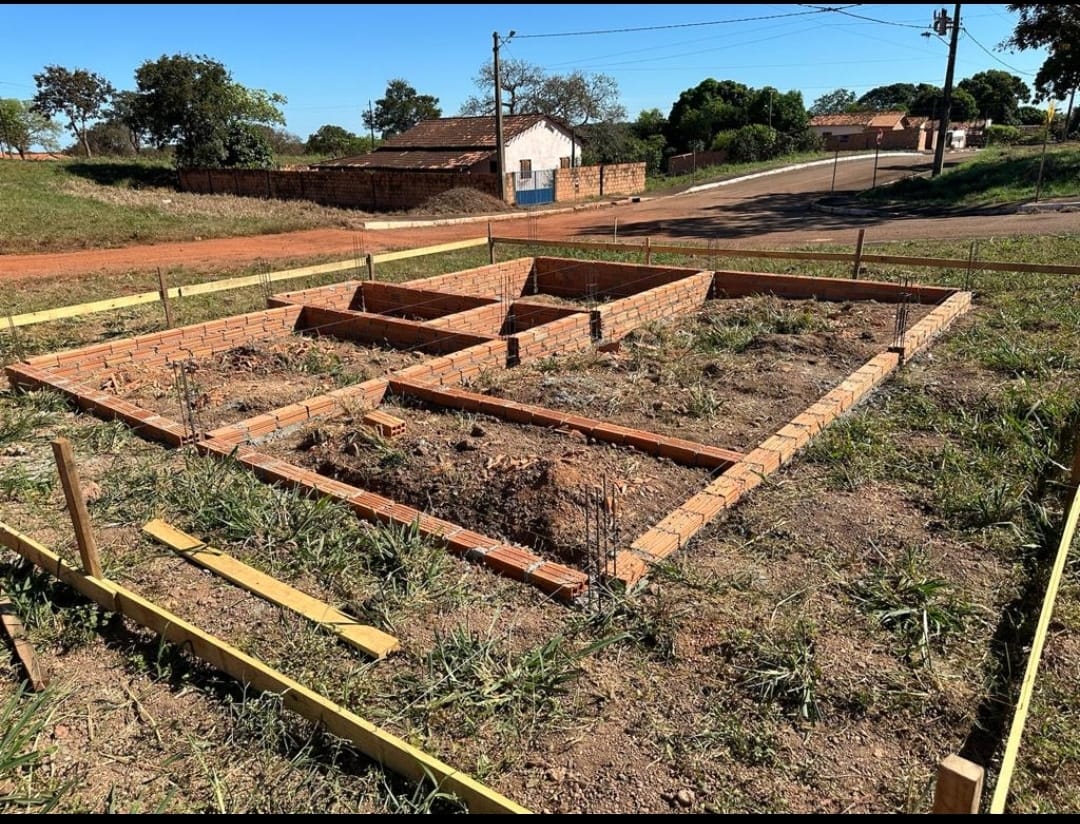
500	148
946	104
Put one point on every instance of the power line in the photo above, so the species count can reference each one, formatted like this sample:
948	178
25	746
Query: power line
680	25
842	10
989	53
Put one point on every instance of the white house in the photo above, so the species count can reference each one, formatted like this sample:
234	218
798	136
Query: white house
533	143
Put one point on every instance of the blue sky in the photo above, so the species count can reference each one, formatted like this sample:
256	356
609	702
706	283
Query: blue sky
330	60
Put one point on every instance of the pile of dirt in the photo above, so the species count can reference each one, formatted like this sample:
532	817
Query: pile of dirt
461	201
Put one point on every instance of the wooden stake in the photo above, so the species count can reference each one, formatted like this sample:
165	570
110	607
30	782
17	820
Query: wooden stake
80	518
959	786
858	254
1074	476
370	266
23	649
648	252
164	292
491	245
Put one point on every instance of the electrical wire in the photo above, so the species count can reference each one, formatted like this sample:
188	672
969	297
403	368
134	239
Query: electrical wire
993	56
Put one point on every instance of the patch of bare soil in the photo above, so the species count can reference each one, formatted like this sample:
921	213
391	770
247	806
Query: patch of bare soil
461	201
253	378
728	376
523	484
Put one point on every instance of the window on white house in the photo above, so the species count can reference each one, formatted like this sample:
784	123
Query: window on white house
526	170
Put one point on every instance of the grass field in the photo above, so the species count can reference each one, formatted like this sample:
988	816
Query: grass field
727	678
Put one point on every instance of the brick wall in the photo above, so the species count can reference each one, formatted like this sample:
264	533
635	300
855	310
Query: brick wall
620	317
485	320
570	334
368	189
566	278
369	328
599	181
894	140
490	281
686	163
390	299
335	296
733	284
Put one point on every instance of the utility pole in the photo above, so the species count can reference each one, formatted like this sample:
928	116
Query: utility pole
371	123
500	148
941	24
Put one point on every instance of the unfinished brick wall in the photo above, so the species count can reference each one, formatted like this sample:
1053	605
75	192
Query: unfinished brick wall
370	328
335	296
588	278
369	189
495	280
734	284
620	317
599	181
570	334
389	299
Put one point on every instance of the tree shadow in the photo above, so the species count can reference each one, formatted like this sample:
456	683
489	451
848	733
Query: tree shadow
132	175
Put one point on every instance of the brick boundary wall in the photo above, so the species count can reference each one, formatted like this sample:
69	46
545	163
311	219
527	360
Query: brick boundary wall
682	164
599	181
368	189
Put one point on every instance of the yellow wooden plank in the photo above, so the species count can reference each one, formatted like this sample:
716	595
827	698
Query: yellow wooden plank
380	745
1027	687
455	246
366	638
30	318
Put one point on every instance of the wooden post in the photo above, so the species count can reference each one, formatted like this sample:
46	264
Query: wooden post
959	786
370	266
615	231
13	625
491	245
648	252
858	254
80	518
163	290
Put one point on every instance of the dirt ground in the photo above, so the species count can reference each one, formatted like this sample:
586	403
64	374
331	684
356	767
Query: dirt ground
767	212
253	378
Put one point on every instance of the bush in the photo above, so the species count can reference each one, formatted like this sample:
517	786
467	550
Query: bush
1003	136
753	143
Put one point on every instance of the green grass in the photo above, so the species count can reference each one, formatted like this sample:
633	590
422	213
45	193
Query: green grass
994	176
725	171
23	719
100	204
784	670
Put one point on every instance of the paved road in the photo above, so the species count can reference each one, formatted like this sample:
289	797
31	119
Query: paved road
766	212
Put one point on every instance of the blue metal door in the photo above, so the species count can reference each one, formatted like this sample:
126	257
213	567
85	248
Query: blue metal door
537	188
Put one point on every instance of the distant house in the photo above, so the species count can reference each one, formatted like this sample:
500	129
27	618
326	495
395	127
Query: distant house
867	130
533	142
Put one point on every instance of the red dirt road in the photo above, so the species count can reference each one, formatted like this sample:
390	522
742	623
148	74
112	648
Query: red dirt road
771	211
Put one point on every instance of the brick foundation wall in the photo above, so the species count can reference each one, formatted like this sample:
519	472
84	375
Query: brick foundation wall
369	328
586	278
485	320
618	318
570	334
368	189
734	284
488	281
334	296
390	299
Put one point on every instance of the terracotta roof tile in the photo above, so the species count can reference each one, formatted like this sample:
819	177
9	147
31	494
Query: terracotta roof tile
462	132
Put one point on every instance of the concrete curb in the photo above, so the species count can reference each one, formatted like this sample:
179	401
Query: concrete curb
376	225
793	168
1039	208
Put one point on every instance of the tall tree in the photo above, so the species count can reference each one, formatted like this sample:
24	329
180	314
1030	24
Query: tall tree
929	101
579	98
22	128
896	97
997	94
337	141
79	95
1055	27
194	103
127	112
782	111
520	81
701	112
834	102
401	108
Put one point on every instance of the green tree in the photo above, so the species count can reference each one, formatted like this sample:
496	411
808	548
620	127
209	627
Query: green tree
929	101
194	103
126	111
21	128
110	138
835	102
400	109
1056	28
782	111
79	95
997	94
337	141
649	123
579	98
1031	116
896	97
246	147
708	108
